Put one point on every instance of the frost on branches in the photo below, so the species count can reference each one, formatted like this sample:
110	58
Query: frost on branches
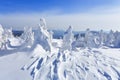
67	40
117	39
110	39
5	35
42	36
92	39
28	36
1	36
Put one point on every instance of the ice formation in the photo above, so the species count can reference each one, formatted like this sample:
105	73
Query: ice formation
97	39
67	39
110	39
1	36
42	36
4	34
117	39
1	30
101	37
28	36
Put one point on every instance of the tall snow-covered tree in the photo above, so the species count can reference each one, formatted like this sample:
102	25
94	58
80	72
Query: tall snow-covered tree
89	39
67	39
42	36
96	40
110	39
1	30
117	39
28	36
3	38
102	37
43	23
9	33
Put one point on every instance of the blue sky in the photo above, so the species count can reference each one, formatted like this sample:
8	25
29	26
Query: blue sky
81	14
66	6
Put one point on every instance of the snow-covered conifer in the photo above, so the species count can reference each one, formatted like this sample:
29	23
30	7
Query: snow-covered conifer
110	39
67	39
117	39
42	36
28	36
3	38
89	39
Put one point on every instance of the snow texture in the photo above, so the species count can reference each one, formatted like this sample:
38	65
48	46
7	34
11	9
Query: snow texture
35	55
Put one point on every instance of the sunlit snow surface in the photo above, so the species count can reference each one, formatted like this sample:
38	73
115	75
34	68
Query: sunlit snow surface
82	64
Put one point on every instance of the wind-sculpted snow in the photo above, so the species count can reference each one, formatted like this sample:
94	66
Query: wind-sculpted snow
91	56
84	64
42	36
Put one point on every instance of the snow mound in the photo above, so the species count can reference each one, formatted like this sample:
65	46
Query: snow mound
83	64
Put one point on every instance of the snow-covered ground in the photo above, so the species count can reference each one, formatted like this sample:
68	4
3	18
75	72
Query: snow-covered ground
82	64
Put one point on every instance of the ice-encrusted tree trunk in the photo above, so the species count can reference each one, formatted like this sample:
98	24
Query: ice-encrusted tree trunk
67	39
42	36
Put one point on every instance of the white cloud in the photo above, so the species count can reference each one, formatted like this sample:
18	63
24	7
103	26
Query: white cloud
98	18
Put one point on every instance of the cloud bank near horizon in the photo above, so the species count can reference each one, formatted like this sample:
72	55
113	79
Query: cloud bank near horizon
101	17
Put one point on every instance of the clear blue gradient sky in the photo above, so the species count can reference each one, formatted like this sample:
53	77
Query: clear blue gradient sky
59	14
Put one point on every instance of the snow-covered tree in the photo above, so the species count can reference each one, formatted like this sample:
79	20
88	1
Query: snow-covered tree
89	39
51	35
3	38
110	39
42	36
67	39
102	38
97	41
8	33
1	30
79	42
28	36
43	23
117	39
